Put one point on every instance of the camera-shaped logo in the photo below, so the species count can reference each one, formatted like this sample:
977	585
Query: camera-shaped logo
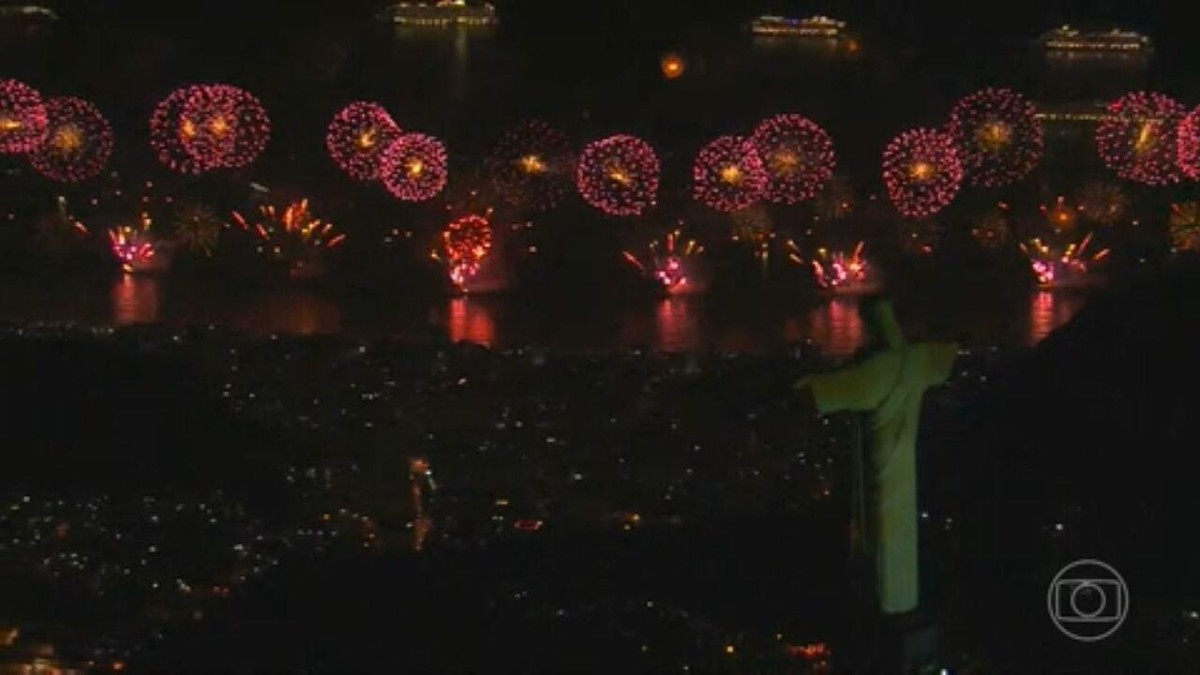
1088	600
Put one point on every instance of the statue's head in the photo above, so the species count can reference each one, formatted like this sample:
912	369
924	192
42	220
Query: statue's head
879	320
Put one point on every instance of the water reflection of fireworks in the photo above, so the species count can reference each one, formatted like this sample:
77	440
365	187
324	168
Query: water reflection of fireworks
669	262
1069	266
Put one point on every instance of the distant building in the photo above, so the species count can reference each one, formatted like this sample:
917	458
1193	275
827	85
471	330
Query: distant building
446	13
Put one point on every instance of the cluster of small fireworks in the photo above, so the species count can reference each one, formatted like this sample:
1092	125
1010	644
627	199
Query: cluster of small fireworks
1189	144
465	244
198	229
618	175
998	136
78	141
414	167
1139	139
991	230
1184	224
922	172
798	155
1060	215
358	136
1103	203
292	235
1053	267
667	261
135	246
728	175
23	118
532	166
199	128
839	271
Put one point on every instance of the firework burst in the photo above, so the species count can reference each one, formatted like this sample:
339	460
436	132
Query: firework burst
1103	203
465	244
728	174
798	155
198	229
167	135
837	271
532	166
618	175
998	137
1061	216
1189	144
991	230
1068	266
23	118
1139	138
136	247
78	141
414	167
223	126
358	136
836	201
922	172
292	236
668	261
752	226
1184	224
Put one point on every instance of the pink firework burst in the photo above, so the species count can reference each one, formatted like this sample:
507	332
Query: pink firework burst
358	136
1189	144
1139	138
414	167
532	166
167	135
23	117
798	155
223	126
78	141
999	139
1055	267
618	175
922	172
134	246
465	244
728	175
668	261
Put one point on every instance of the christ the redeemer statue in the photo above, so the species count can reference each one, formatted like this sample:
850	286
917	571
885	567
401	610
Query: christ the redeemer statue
889	384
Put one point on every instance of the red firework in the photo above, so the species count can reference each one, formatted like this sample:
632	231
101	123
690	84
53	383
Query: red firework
78	141
999	139
223	126
922	172
532	166
22	117
1138	139
798	155
618	175
1189	144
167	134
358	136
465	243
668	261
728	174
414	167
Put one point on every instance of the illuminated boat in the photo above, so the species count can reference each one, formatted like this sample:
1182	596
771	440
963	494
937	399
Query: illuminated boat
1068	40
814	27
443	14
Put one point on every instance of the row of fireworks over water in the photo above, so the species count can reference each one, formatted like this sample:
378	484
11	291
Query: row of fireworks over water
991	138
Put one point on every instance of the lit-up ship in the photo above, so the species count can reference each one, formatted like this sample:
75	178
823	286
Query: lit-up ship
443	14
1068	40
814	27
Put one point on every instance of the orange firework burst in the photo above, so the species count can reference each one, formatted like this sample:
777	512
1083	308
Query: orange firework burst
1061	215
135	246
292	235
1184	224
668	261
1072	265
465	244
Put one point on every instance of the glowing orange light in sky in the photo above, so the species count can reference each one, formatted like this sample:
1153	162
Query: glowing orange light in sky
532	164
672	66
731	174
67	138
922	171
